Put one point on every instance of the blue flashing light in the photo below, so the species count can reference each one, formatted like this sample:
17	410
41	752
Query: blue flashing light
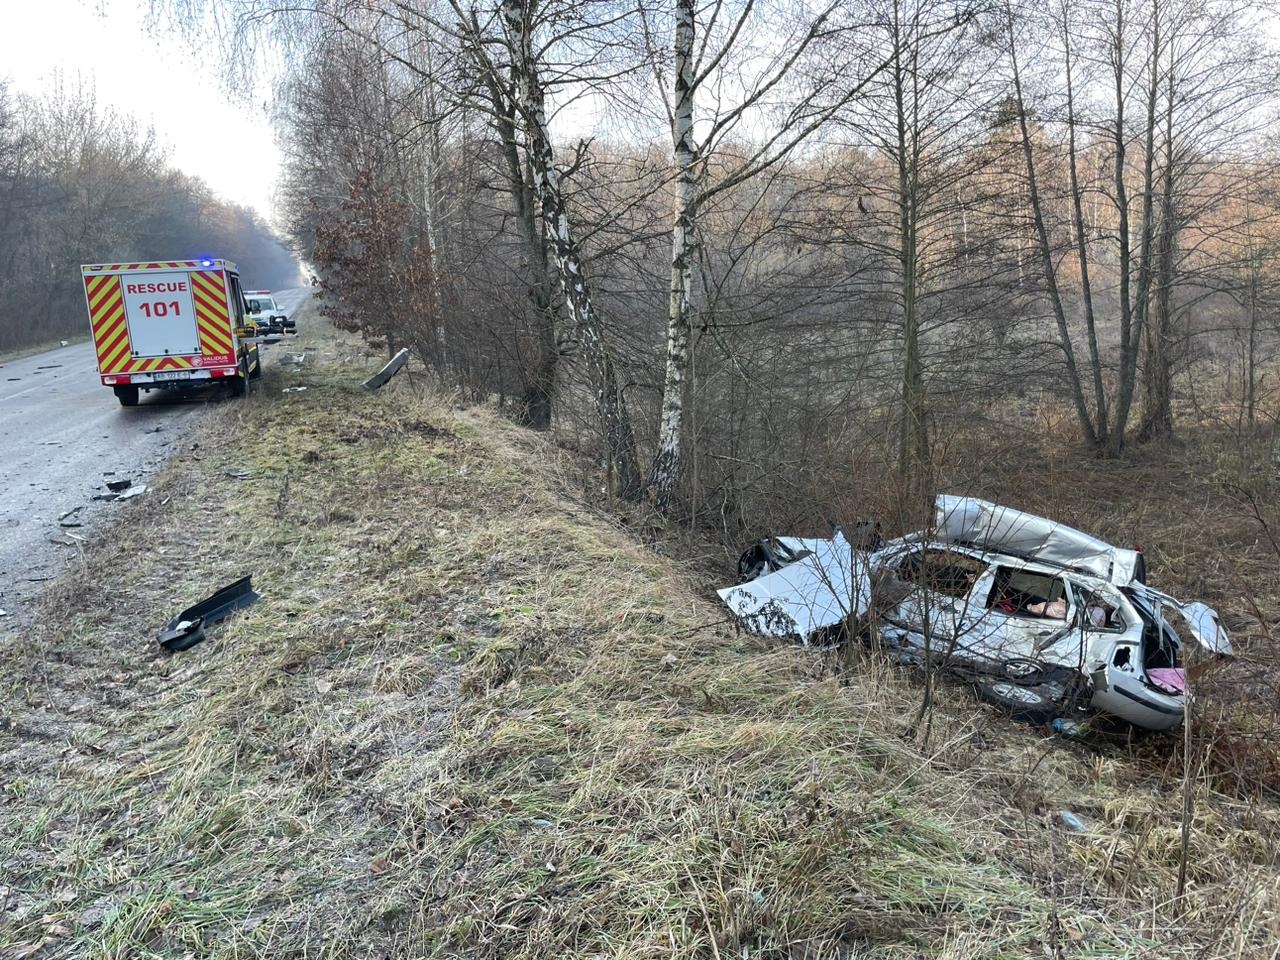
206	262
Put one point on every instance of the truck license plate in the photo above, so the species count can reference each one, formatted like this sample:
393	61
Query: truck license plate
172	374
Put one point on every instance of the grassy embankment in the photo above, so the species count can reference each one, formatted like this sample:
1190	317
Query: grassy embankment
470	716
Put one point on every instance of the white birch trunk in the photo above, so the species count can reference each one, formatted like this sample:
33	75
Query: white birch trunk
665	471
615	425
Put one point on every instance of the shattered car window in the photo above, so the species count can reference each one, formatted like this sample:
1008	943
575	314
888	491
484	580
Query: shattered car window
1098	614
942	571
1023	593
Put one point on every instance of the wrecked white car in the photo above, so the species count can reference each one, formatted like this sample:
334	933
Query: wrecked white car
1042	617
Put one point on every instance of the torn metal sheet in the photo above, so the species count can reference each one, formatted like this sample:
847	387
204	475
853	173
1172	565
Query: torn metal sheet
187	628
824	586
973	522
393	367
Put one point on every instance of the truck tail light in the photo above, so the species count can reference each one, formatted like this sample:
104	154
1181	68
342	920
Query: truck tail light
224	371
118	378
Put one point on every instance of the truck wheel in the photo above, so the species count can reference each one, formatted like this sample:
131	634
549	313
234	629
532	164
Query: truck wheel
1021	703
127	395
239	384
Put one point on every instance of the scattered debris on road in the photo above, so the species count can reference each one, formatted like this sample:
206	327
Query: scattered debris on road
292	359
73	510
237	473
379	379
188	628
293	389
120	490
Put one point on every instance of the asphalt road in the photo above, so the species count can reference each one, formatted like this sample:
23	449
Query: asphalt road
63	435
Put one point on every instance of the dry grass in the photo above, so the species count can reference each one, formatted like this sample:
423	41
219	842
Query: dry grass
472	717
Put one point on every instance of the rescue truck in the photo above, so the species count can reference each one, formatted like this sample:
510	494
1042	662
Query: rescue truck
170	326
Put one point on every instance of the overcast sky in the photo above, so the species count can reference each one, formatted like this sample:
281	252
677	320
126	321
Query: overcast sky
227	143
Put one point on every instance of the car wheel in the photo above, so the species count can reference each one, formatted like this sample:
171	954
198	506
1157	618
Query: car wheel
1021	703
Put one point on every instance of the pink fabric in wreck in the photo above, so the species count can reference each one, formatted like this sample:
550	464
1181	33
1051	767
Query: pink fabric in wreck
1173	679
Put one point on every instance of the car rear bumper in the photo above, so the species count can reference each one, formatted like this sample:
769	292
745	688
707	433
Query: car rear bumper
169	378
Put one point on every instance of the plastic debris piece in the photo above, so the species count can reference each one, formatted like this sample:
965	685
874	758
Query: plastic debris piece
115	486
394	366
1071	821
1070	728
187	628
293	389
132	492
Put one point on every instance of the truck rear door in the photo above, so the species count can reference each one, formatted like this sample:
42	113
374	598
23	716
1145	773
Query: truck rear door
161	314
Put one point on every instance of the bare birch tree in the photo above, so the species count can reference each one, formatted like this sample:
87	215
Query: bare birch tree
814	96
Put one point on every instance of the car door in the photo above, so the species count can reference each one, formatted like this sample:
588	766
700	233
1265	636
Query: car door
1021	614
1121	686
939	584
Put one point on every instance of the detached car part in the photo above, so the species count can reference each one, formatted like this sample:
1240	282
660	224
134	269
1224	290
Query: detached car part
393	367
187	628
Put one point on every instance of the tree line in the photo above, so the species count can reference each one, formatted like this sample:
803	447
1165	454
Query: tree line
83	183
738	247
